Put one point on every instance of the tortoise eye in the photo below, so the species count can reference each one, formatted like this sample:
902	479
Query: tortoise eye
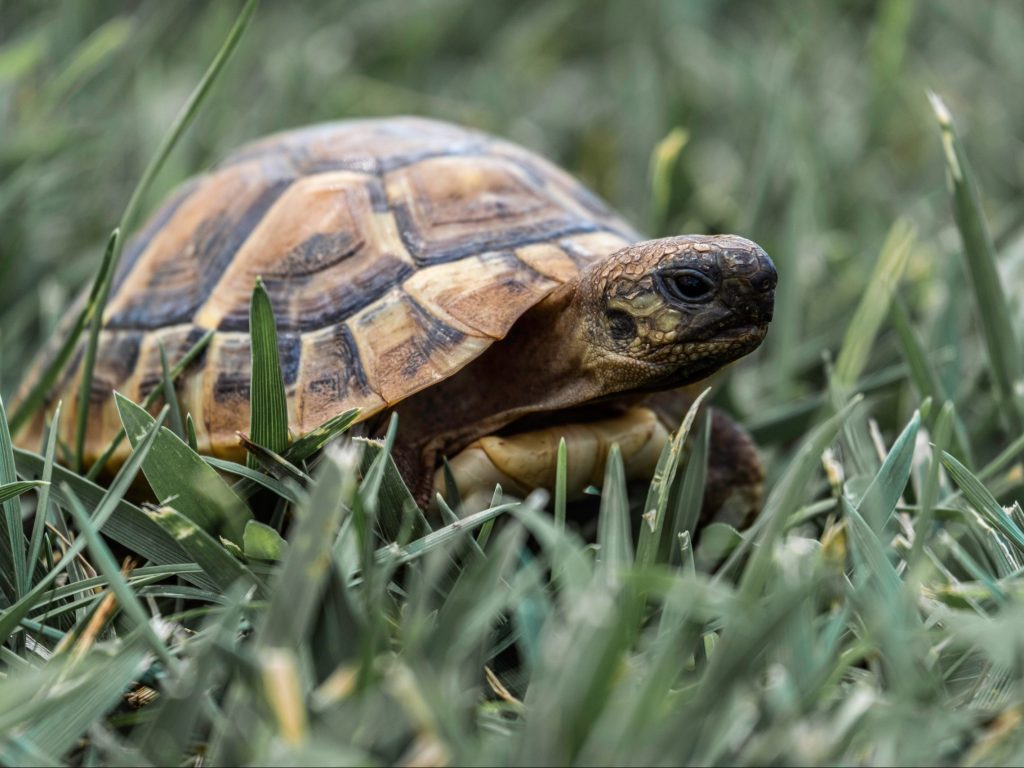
688	286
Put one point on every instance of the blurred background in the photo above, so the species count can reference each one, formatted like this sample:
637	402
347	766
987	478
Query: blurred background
803	125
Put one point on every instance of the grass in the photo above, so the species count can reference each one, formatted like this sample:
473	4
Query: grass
299	609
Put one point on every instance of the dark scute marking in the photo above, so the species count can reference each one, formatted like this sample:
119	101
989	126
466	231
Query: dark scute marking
355	294
426	254
117	357
378	195
150	381
220	238
316	254
229	385
349	351
289	348
141	240
437	335
216	241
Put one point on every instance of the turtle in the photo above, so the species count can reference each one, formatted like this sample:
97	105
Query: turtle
438	272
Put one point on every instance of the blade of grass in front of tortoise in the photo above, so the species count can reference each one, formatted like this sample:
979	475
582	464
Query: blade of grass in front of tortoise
43	504
12	537
268	415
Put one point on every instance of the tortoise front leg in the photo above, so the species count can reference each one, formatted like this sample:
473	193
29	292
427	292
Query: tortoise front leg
527	460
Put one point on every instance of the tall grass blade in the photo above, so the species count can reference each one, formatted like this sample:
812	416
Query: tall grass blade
220	565
614	536
95	312
12	537
75	695
651	538
1002	345
35	545
177	426
930	492
874	305
664	160
268	418
784	498
301	577
925	378
561	476
879	501
688	500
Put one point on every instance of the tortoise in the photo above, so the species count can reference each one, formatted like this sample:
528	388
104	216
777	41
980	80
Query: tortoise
433	271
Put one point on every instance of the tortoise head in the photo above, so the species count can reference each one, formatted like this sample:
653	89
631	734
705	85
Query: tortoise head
668	312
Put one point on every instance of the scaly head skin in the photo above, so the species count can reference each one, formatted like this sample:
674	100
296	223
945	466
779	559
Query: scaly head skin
668	312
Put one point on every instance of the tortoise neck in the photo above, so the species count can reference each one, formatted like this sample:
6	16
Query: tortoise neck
542	365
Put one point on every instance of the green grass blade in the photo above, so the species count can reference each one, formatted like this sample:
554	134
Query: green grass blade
561	475
176	472
982	268
127	525
983	501
74	696
35	545
261	542
190	433
688	501
268	418
651	538
923	373
930	492
95	312
303	571
105	506
783	499
874	305
283	488
330	430
12	538
193	352
274	463
13	490
220	565
878	503
613	524
664	160
170	396
37	394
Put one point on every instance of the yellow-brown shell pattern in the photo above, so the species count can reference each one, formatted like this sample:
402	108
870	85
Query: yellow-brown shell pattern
394	252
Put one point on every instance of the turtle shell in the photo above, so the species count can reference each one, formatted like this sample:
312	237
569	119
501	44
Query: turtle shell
394	252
